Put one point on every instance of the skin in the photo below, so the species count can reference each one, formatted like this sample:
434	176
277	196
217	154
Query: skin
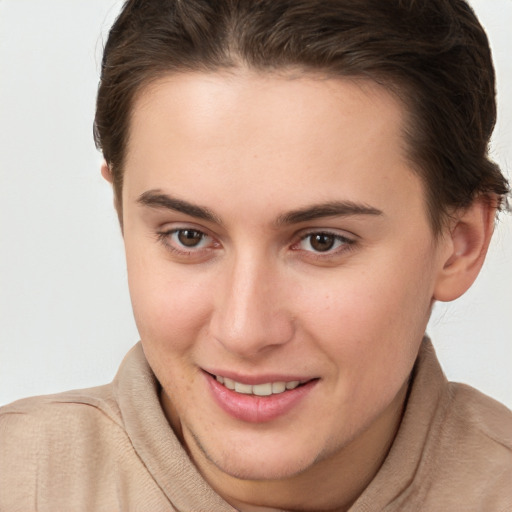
254	297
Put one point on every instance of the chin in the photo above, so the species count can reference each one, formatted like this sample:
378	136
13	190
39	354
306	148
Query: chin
268	470
259	464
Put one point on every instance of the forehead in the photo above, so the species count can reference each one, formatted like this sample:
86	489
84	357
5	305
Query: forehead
277	136
202	102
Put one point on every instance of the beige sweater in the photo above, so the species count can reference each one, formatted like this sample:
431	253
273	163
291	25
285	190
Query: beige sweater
111	449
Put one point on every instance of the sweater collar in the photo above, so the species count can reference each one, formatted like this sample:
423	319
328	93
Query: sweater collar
137	391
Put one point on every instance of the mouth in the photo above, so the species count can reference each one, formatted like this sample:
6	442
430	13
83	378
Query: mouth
261	401
264	389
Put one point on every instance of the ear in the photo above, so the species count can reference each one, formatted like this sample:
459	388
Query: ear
468	240
106	173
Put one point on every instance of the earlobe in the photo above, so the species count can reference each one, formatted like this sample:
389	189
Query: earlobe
105	172
469	238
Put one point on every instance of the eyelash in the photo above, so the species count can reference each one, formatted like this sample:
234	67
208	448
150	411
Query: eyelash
347	244
164	236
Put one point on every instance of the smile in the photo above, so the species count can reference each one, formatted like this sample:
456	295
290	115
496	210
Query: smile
260	401
265	389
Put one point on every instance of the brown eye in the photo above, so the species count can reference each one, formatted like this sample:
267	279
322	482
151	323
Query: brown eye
322	242
190	237
325	242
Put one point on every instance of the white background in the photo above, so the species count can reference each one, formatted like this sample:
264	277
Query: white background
65	318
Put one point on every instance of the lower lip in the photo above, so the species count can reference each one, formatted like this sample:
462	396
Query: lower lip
257	409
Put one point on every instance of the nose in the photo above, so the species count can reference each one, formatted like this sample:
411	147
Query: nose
251	314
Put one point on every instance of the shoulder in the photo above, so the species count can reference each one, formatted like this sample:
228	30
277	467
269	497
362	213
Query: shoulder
63	436
473	450
478	418
53	413
57	420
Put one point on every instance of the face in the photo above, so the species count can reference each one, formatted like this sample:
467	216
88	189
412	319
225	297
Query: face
277	243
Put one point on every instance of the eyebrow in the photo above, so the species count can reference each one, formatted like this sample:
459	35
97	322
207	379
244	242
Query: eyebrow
159	200
156	199
329	209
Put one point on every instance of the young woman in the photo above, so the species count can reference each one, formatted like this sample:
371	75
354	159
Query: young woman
297	183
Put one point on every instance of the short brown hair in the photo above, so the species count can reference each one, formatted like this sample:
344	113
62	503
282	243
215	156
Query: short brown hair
433	54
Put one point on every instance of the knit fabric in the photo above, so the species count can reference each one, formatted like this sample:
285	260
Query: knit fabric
110	448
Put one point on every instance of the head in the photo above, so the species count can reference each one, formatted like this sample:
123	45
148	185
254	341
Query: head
433	56
296	185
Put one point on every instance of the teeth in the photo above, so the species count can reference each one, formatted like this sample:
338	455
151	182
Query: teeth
246	389
230	384
262	389
267	389
278	387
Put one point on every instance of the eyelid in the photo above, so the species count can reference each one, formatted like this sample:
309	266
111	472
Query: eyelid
164	236
345	235
347	242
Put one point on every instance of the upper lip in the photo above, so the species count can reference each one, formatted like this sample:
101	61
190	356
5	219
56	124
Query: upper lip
254	380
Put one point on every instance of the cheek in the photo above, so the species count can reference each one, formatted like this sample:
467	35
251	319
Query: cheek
371	318
170	306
